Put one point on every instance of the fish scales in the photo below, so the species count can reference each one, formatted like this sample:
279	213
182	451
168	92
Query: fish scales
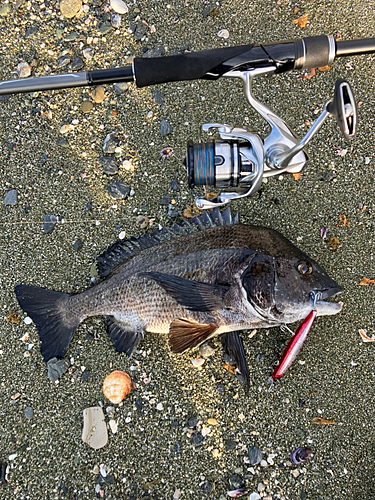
210	277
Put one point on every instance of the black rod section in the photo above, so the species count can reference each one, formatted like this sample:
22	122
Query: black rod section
355	47
69	80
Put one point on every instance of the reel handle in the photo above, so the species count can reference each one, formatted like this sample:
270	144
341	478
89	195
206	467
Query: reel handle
344	108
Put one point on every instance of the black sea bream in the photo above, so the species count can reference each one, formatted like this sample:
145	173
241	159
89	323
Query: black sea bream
208	277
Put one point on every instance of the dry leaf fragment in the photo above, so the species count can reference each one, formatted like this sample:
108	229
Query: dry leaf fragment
211	196
302	21
310	75
12	318
333	244
325	68
343	220
191	211
230	368
365	337
295	11
322	421
366	282
297	176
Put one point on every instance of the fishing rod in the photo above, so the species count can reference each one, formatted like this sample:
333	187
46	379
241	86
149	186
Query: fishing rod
239	160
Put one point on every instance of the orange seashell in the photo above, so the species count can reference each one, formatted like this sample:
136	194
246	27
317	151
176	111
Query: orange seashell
116	386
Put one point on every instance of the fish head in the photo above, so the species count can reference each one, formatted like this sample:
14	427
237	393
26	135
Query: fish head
284	285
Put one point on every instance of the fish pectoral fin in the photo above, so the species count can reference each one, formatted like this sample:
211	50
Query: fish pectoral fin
186	333
123	337
194	295
232	345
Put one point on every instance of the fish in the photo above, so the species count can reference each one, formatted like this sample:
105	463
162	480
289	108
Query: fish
207	277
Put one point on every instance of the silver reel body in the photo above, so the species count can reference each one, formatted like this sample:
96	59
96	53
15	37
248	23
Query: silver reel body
239	160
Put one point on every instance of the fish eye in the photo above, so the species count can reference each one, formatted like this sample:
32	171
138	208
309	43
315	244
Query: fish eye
304	267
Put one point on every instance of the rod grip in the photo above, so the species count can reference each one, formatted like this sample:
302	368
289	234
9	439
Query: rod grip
190	66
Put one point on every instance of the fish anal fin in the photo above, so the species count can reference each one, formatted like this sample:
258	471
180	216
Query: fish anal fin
185	334
123	337
193	295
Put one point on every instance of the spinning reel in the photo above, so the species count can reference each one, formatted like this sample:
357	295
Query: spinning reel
239	160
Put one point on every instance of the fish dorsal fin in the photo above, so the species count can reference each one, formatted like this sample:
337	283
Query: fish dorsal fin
123	250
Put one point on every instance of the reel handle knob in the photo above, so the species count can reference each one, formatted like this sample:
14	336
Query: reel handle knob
344	109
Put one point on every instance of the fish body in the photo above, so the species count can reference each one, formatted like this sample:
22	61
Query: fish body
208	277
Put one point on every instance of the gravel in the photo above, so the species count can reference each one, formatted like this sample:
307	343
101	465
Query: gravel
150	456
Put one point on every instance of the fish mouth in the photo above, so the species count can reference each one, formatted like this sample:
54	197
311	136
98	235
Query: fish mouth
323	307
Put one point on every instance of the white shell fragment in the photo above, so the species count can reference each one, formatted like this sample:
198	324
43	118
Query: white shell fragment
197	362
119	6
223	34
94	427
114	426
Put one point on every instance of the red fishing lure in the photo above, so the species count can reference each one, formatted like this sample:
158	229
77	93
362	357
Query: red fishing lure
295	346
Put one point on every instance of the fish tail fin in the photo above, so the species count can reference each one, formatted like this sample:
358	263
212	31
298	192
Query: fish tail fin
232	345
55	323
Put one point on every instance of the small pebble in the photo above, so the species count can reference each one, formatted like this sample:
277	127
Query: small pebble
121	88
160	406
206	349
85	377
175	186
11	198
206	488
107	479
56	368
254	496
49	222
69	8
23	69
98	95
29	413
110	143
116	20
165	200
78	245
165	128
255	455
235	482
64	61
77	64
197	439
119	190
88	54
5	9
230	445
86	106
110	165
192	422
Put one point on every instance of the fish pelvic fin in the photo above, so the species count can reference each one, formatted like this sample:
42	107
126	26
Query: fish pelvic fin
54	322
185	334
233	345
124	339
193	295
